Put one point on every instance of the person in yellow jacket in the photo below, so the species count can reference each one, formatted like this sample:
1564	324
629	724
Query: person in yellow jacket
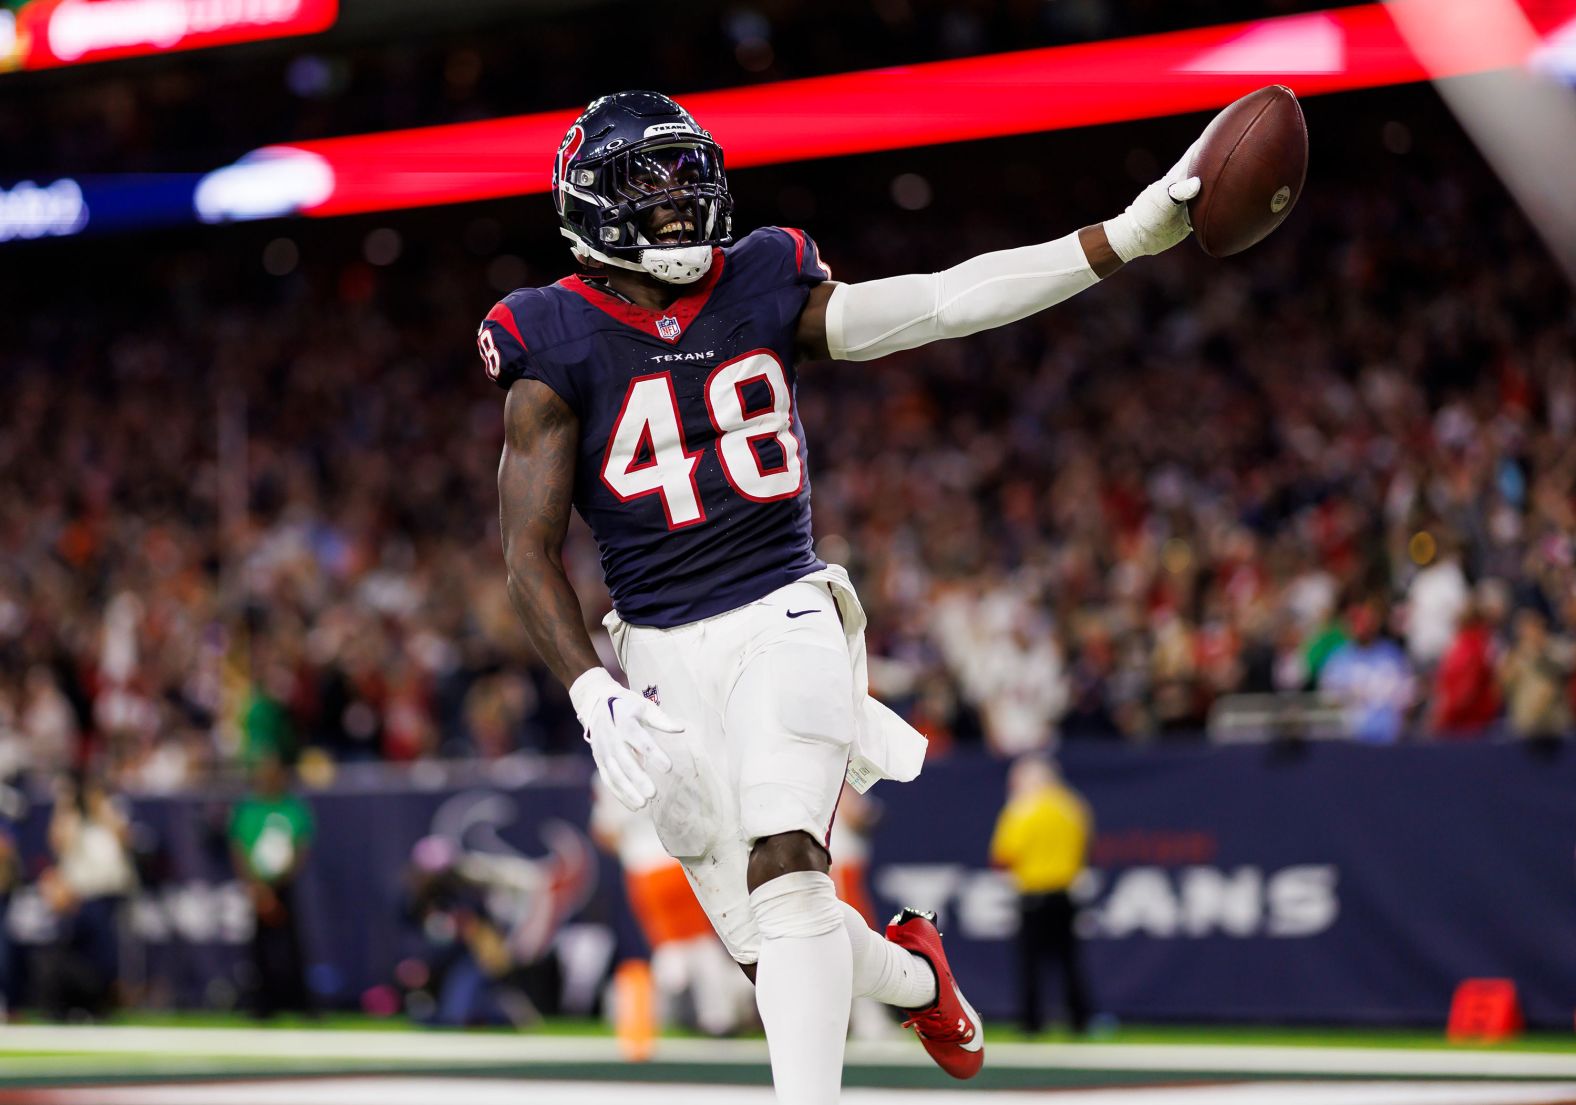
1041	839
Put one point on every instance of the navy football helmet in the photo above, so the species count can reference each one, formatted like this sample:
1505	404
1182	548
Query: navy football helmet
639	185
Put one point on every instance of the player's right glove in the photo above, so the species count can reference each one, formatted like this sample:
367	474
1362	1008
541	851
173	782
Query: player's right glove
618	724
1157	219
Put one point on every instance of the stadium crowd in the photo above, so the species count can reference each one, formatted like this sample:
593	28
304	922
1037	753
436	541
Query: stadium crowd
244	511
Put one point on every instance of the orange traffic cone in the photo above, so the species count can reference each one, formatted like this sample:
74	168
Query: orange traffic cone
634	1010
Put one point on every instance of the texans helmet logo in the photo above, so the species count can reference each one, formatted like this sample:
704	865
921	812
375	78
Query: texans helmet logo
566	153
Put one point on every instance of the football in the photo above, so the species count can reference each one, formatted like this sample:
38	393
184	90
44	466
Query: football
1250	161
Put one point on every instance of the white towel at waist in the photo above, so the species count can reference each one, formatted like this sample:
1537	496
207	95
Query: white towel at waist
886	746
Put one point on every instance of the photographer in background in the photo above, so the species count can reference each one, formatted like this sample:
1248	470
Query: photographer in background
90	839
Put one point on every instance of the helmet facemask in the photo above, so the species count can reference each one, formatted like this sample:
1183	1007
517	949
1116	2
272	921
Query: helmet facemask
658	206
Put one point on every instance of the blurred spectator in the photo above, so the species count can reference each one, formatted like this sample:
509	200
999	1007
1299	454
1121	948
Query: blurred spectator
270	833
1535	673
266	730
1371	677
1435	599
48	724
90	879
10	879
1328	637
497	708
1177	690
1466	685
1090	710
1042	840
1007	661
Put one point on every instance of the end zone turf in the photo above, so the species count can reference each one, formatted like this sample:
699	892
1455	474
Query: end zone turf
34	1058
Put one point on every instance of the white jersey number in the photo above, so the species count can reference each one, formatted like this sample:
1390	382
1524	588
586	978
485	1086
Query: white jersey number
489	351
647	454
740	429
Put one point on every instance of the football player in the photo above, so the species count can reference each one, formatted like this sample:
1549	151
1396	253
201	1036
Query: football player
654	393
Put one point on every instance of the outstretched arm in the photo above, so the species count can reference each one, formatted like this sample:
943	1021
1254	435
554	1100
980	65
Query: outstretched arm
536	479
859	322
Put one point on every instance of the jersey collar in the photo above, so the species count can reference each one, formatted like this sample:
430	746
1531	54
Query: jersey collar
669	324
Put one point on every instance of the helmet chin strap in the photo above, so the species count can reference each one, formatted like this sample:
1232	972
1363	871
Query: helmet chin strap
669	264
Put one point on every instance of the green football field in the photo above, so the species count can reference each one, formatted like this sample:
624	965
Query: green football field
153	1059
1280	1036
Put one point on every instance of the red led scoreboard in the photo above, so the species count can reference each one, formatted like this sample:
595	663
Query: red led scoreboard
45	34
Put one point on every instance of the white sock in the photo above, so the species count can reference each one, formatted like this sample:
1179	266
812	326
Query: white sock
884	971
803	985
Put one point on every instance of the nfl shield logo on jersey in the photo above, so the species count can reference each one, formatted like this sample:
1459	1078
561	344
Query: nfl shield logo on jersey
651	693
668	328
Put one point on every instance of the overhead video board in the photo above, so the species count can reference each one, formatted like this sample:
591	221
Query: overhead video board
47	34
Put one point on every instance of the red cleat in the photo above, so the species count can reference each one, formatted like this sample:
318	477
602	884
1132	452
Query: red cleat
949	1028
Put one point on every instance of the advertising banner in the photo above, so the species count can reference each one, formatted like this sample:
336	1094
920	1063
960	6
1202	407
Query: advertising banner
1331	883
1327	884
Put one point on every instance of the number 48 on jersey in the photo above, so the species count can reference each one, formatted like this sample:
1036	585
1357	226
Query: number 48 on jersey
647	453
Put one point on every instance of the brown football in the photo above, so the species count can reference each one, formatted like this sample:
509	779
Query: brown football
1251	162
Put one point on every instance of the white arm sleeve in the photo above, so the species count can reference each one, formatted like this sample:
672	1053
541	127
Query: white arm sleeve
869	320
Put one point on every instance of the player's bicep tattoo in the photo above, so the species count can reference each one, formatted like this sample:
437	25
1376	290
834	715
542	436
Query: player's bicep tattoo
536	478
537	471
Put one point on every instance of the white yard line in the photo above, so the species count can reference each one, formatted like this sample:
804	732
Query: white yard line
460	1047
425	1091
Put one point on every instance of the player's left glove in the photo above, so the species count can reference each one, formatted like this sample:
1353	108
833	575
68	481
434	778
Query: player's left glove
618	724
1157	219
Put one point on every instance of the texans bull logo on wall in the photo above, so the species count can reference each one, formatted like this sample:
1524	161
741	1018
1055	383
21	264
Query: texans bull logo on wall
529	896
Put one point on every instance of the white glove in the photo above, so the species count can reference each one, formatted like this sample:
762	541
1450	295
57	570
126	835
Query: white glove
1157	219
617	723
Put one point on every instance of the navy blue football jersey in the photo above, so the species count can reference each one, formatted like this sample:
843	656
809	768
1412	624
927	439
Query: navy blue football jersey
693	472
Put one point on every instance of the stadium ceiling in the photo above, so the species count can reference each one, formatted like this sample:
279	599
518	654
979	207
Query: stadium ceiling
383	14
365	20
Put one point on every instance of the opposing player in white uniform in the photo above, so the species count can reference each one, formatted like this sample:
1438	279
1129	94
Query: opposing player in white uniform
686	957
654	394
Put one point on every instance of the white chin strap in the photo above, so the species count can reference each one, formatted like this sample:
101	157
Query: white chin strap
670	264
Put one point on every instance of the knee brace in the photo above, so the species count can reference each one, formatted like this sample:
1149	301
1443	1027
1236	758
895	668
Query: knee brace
798	904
